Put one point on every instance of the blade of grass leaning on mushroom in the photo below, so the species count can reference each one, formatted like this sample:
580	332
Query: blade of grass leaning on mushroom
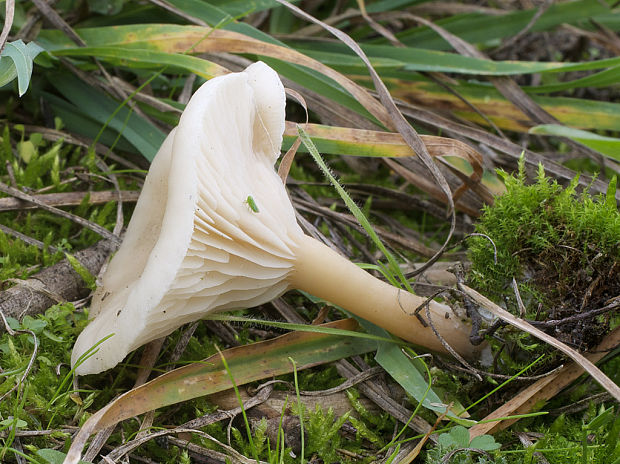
214	230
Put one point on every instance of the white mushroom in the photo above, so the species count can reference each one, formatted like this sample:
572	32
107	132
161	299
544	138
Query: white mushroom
214	230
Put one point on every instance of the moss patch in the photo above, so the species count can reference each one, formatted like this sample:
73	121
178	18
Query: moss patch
562	249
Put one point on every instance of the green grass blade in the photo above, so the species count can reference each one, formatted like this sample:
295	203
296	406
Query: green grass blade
403	371
355	210
483	29
148	59
608	146
145	137
387	59
303	328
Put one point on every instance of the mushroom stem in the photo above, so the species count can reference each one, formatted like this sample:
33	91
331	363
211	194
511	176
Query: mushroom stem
324	273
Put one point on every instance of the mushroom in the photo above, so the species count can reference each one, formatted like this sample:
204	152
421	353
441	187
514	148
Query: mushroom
214	230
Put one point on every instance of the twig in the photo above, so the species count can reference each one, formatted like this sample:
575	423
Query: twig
588	366
581	404
525	441
69	199
206	455
57	21
261	396
615	304
118	226
382	399
446	345
133	444
103	232
515	289
9	13
38	433
26	239
504	376
515	38
350	382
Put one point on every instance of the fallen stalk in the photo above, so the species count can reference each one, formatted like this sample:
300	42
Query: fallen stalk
587	365
58	282
68	199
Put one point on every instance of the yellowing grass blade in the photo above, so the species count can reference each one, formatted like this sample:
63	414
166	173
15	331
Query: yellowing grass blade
575	112
246	363
361	142
197	39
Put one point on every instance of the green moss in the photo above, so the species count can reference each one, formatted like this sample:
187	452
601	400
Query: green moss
562	249
47	402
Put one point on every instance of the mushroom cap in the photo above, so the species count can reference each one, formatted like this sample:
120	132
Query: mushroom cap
194	245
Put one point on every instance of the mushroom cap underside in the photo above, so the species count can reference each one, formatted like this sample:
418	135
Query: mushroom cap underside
194	244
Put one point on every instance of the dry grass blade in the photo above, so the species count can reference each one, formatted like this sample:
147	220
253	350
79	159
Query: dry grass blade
510	89
562	173
587	365
246	363
350	220
398	120
378	27
394	142
69	199
233	42
287	160
26	239
409	170
364	142
542	390
105	233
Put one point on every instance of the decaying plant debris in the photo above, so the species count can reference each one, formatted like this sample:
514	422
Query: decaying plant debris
546	250
56	284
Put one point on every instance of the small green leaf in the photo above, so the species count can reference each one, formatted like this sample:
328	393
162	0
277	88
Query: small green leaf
17	423
36	325
485	442
53	337
53	457
460	435
602	419
17	60
82	271
13	323
446	440
26	150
